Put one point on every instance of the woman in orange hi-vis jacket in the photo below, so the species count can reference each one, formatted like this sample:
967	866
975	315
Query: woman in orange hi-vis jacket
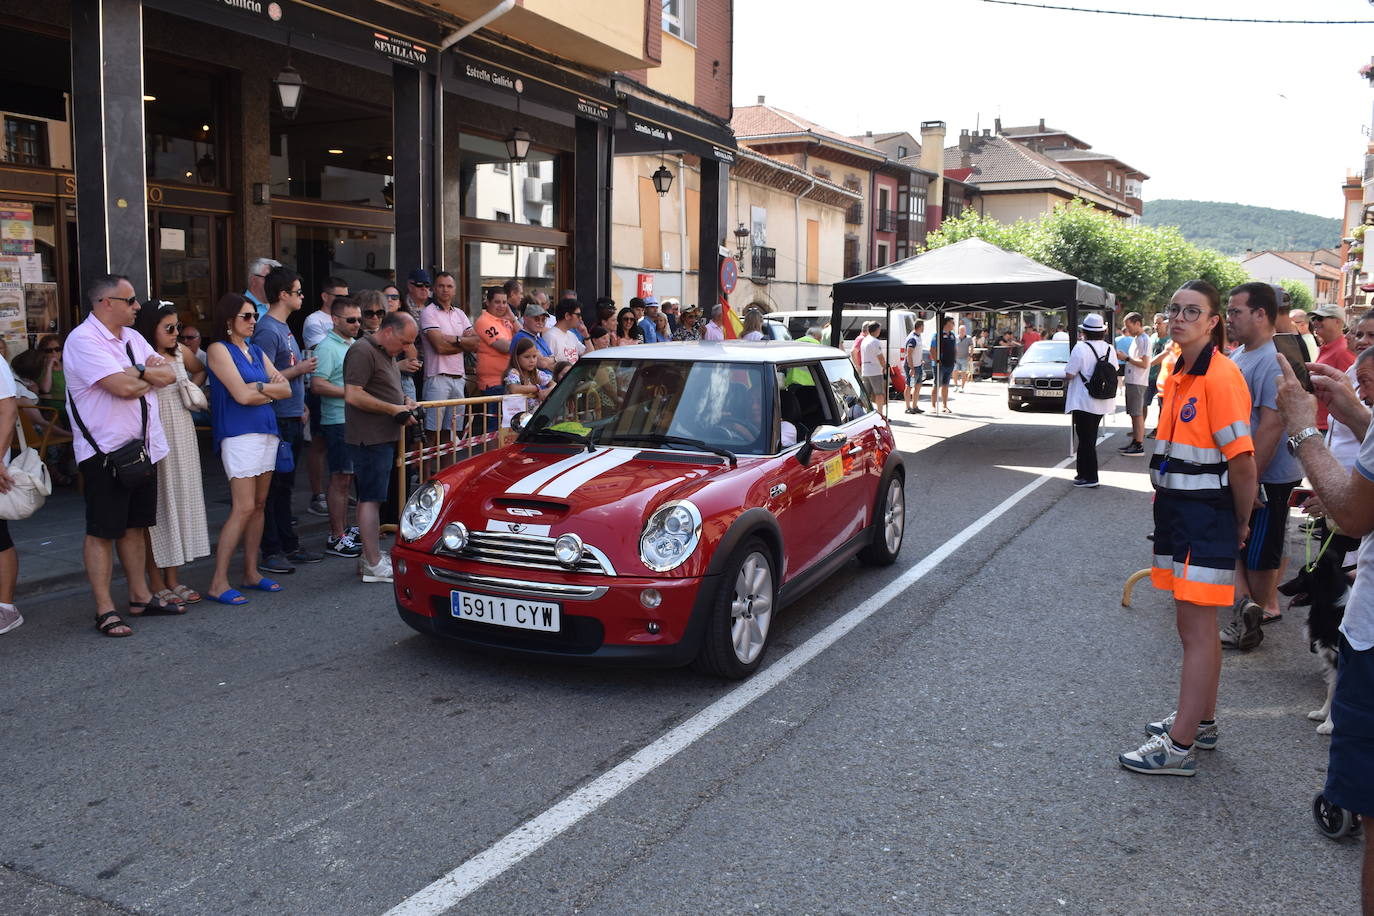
1203	470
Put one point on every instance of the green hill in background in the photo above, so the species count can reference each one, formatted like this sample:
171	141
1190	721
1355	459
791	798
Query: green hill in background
1232	228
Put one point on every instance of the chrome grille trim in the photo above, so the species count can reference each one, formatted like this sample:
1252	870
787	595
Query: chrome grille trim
528	551
518	587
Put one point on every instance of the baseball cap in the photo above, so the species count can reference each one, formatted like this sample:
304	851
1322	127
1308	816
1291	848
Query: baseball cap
1329	311
535	310
421	276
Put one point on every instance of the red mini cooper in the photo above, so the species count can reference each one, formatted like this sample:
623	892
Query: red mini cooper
659	507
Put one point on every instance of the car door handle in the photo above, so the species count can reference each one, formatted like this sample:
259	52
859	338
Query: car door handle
853	450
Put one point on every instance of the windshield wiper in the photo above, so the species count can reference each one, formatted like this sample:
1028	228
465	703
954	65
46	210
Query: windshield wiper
659	439
564	435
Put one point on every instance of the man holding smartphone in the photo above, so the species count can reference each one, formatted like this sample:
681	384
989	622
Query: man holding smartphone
1250	316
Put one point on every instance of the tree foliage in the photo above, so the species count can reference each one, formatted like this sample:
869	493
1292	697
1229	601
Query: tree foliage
1142	265
1302	295
1232	228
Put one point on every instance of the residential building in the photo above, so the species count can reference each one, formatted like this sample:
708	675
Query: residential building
359	139
1354	213
1319	271
1021	178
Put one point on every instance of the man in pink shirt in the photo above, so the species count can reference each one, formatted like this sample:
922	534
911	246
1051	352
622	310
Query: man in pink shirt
446	334
112	378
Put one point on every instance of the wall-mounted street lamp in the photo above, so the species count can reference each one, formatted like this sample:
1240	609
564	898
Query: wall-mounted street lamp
518	145
741	242
289	85
663	179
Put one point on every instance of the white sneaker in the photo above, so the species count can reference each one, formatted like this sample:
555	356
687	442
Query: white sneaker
379	573
10	618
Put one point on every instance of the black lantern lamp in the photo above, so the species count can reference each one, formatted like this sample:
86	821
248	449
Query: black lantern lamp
741	242
518	145
289	85
663	179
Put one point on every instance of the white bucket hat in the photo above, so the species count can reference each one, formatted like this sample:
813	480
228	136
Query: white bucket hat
1093	322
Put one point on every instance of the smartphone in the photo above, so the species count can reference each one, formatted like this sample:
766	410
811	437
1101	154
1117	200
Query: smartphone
1291	347
1299	496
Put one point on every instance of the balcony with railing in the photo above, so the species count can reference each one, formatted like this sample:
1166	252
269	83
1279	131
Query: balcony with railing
854	214
886	220
763	263
853	267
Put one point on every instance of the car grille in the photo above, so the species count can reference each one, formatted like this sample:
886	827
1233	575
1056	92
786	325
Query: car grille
1049	383
529	552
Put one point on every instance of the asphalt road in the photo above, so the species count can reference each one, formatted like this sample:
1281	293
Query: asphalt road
954	753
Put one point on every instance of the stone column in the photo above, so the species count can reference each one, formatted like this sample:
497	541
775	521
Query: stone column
415	161
591	211
715	185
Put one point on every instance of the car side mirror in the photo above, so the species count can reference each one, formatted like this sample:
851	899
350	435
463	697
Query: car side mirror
823	439
521	420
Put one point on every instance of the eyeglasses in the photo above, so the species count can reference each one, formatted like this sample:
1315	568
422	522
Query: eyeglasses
373	313
172	328
261	276
187	338
296	292
247	316
392	295
127	300
351	320
1236	312
1188	312
419	285
50	350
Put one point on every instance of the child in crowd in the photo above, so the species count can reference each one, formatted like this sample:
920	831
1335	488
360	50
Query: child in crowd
523	376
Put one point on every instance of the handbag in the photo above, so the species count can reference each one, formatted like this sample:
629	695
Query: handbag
129	464
32	484
192	397
286	459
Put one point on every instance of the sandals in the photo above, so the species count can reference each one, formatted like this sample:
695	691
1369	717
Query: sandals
187	594
229	596
264	585
110	621
157	606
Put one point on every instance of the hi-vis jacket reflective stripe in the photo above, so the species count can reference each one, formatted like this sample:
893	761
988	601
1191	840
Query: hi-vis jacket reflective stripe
1205	420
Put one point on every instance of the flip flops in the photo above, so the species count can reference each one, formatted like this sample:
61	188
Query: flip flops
231	596
264	585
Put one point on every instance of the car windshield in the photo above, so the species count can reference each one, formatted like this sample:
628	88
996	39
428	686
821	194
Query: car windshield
661	403
1047	351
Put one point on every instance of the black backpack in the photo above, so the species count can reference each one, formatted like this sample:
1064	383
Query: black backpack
1102	385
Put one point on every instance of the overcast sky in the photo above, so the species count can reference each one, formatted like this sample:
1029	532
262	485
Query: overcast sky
1270	115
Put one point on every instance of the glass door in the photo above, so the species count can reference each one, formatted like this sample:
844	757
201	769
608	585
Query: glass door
188	263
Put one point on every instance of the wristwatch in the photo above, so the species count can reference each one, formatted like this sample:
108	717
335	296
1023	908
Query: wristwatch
259	384
141	369
1295	442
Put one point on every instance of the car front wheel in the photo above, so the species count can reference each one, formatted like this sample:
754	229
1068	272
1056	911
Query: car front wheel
741	615
889	524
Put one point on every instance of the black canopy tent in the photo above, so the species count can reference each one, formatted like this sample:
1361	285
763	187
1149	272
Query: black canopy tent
971	275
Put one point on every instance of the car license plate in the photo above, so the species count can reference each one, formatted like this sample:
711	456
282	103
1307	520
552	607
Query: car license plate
1049	392
519	613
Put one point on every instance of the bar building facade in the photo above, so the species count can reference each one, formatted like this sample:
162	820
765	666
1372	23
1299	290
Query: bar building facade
149	138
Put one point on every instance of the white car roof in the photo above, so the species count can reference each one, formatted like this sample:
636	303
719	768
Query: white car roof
733	351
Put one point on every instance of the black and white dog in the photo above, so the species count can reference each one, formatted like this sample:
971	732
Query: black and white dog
1326	589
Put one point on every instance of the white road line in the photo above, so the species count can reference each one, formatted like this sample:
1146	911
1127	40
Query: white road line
535	833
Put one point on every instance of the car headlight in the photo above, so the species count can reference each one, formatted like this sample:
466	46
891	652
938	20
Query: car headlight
422	510
670	536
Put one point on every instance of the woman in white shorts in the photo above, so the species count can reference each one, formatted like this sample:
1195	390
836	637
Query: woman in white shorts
243	385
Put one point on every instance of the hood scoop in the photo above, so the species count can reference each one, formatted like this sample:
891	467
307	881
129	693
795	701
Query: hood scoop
529	511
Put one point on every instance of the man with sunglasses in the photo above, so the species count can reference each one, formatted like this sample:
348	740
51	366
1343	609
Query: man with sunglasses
327	384
256	292
281	549
1328	326
112	379
190	335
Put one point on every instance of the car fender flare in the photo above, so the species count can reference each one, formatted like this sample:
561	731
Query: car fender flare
893	465
755	521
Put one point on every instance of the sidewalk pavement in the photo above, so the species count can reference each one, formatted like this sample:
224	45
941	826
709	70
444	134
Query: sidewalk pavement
50	541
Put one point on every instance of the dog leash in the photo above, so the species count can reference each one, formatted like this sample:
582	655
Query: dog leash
1311	563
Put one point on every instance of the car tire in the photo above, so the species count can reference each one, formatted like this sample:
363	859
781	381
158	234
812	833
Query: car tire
889	523
737	632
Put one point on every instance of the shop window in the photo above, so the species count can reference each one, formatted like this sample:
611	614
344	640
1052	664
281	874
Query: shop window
26	141
183	122
365	258
491	264
35	81
337	150
526	192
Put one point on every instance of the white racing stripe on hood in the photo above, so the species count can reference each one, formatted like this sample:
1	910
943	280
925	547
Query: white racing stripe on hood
576	477
544	475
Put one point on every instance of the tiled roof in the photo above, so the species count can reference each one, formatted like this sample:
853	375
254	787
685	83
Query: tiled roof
1066	154
767	121
997	159
1035	130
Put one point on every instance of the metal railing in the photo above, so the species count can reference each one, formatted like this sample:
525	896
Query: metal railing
886	220
854	213
471	429
853	267
763	263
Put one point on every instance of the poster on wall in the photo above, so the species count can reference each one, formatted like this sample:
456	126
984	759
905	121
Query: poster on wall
40	307
16	228
11	272
12	326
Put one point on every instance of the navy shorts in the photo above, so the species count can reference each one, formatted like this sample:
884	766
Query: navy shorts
1268	527
915	375
1352	739
312	402
335	449
946	373
373	468
1195	549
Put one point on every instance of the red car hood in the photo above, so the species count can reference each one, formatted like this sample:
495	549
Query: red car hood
604	496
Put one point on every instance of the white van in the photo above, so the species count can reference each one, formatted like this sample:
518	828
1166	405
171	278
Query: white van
900	323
